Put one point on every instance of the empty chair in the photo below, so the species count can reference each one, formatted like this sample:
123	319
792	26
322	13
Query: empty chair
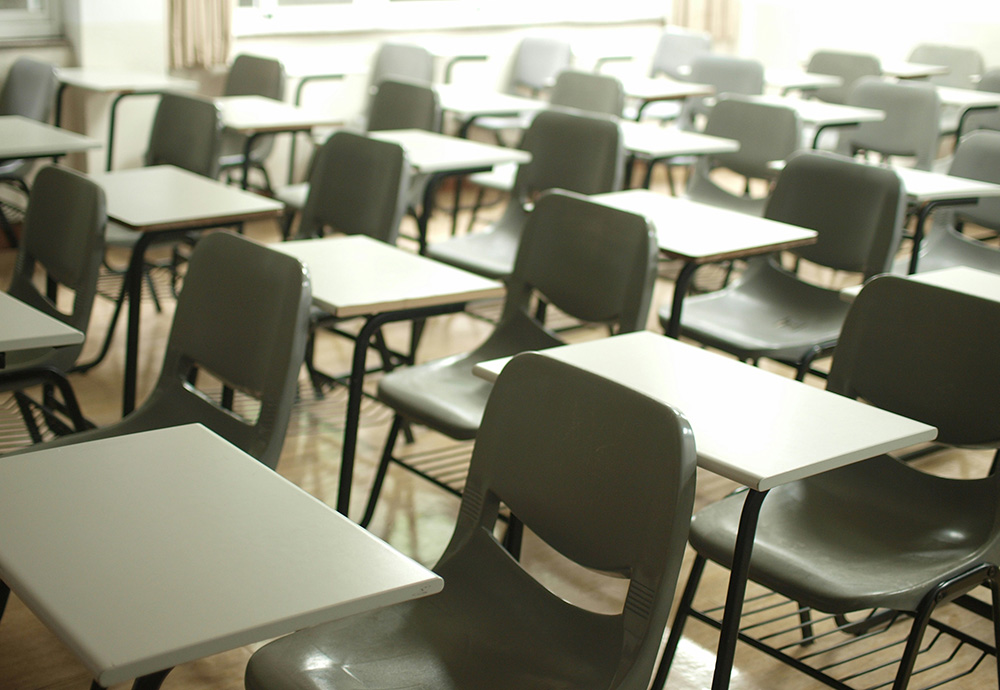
358	186
984	119
965	65
881	533
242	320
729	75
848	66
857	211
186	133
564	449
29	91
676	51
911	127
396	104
766	133
251	75
569	151
595	263
64	238
402	61
976	158
535	65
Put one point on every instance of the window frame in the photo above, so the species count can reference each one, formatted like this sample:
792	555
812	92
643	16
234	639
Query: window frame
41	19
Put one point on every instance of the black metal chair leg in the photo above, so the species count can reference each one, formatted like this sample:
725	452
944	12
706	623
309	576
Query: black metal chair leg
390	444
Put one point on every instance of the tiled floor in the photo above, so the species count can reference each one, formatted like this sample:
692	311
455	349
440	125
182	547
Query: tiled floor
413	515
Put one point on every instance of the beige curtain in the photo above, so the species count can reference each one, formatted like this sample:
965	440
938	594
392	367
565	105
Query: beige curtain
720	18
200	32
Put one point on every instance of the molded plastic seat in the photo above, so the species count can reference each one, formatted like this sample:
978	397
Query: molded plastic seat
570	151
911	126
564	449
857	211
402	61
766	133
242	318
595	263
63	237
29	91
965	65
976	158
186	133
536	63
880	533
989	119
675	50
729	75
848	66
251	75
396	104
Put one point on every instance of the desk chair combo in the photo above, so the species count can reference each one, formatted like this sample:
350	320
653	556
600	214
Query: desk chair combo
766	133
29	91
569	151
187	133
595	263
64	237
880	536
911	127
990	119
676	49
212	339
729	75
976	158
584	91
564	449
251	75
358	186
965	67
857	211
848	66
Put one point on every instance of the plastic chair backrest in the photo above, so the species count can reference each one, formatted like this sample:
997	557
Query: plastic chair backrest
907	347
252	75
964	65
676	51
402	61
978	157
29	89
856	209
357	186
566	450
912	120
595	93
537	62
849	66
399	104
187	133
572	151
242	316
729	75
64	236
595	263
766	133
985	119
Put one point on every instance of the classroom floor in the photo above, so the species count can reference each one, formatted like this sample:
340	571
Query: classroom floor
413	515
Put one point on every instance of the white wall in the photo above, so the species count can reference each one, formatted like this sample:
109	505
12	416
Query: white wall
786	32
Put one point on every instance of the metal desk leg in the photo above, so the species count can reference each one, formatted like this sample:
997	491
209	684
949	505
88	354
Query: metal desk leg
133	291
681	286
922	215
738	576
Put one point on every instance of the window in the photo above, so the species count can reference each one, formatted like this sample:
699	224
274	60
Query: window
30	19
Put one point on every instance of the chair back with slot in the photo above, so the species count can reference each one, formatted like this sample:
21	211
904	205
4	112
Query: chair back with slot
848	66
187	133
729	75
765	132
965	65
594	93
251	75
242	318
537	62
676	50
358	186
399	104
911	126
63	237
975	158
571	151
565	449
